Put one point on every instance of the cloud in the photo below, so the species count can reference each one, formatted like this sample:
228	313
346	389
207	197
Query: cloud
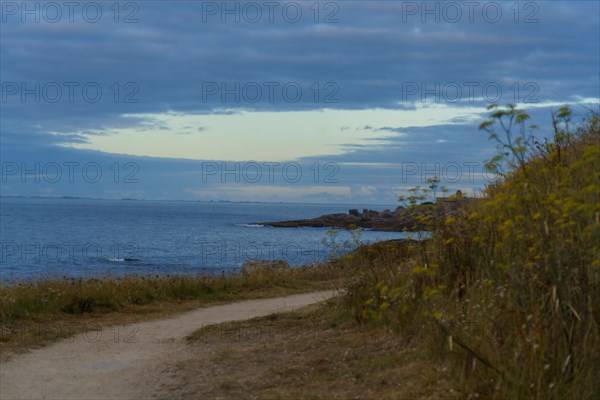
273	193
136	88
365	190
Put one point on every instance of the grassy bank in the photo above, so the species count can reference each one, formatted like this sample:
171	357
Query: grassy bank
37	312
318	352
502	302
512	282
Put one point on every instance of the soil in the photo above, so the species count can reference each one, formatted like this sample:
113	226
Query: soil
125	362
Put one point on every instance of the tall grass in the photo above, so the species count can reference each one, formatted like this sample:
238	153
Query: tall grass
512	282
83	296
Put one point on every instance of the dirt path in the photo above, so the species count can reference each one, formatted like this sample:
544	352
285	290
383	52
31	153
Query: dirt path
124	363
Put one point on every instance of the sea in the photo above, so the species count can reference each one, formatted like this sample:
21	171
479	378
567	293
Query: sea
93	238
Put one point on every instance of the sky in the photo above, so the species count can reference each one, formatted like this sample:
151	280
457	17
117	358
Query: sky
350	102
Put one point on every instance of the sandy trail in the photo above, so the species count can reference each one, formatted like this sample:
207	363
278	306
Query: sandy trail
126	363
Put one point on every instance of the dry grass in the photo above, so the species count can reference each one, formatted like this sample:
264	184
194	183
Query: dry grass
513	281
503	302
319	352
33	314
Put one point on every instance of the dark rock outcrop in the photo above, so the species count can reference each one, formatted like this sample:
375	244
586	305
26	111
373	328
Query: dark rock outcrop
400	220
386	214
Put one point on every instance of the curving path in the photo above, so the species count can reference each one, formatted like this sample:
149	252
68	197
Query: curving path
126	364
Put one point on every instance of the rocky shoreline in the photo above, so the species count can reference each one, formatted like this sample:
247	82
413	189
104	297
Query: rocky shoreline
399	220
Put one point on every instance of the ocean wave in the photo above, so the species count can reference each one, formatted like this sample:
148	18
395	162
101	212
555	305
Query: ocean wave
251	225
124	259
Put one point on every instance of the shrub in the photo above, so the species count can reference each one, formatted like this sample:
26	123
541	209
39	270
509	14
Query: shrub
512	282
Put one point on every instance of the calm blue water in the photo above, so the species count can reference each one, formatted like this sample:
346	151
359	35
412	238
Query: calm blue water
84	238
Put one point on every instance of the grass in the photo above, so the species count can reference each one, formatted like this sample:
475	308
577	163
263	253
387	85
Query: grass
318	352
35	313
502	302
512	281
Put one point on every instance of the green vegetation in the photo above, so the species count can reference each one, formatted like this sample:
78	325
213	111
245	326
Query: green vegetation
512	282
28	307
501	301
